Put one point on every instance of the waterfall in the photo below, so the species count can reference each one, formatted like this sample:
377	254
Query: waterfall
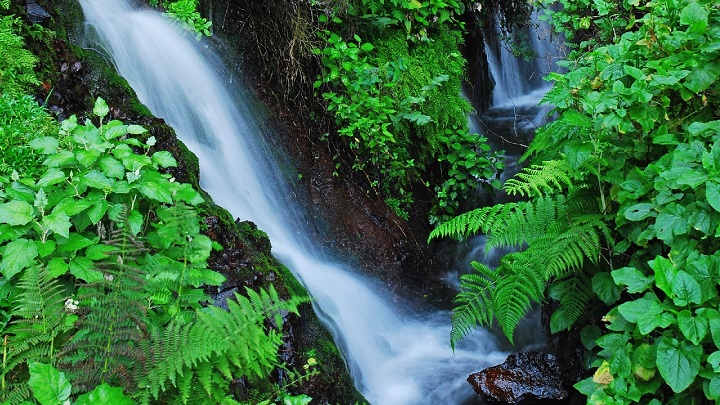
395	354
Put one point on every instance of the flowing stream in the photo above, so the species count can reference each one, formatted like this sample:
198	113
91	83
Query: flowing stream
396	354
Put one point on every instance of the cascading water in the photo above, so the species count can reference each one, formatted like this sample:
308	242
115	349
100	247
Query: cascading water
509	124
395	356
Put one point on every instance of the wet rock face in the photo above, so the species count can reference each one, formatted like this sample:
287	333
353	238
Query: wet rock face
523	376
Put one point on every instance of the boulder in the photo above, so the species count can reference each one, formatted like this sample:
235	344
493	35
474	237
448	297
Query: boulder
527	375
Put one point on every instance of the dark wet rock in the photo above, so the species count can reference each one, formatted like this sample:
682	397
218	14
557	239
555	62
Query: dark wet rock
35	13
527	375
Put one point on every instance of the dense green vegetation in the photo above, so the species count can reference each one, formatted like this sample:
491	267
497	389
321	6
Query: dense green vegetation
392	78
104	287
626	182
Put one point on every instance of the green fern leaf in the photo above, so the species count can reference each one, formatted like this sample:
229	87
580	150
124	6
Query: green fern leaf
473	305
538	180
522	283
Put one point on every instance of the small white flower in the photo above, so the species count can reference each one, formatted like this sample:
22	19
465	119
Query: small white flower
71	304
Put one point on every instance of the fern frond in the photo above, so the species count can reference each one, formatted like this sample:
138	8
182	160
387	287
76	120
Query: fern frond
538	180
228	343
473	305
573	293
522	283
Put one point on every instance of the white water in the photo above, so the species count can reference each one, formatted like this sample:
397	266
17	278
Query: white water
396	357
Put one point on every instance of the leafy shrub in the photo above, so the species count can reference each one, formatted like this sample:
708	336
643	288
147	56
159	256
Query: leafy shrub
638	131
397	101
104	275
22	120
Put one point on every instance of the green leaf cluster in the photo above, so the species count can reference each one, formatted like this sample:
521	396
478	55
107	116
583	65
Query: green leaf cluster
186	13
397	101
104	276
637	136
559	235
637	120
16	63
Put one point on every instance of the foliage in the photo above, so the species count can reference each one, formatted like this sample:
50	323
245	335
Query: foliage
560	235
51	387
637	136
397	100
21	120
16	62
104	275
186	13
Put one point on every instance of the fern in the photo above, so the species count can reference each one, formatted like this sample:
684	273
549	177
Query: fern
559	235
538	180
113	318
38	319
473	305
573	295
16	62
218	346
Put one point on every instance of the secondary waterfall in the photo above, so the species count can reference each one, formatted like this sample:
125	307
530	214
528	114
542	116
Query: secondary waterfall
395	356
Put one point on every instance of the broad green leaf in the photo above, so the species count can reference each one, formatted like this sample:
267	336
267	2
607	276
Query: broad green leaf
101	108
577	119
200	249
111	167
49	385
136	220
695	16
638	212
84	269
104	394
74	243
588	335
115	131
633	278
45	248
164	159
702	77
136	129
713	389
678	362
647	312
16	213
635	72
99	252
60	159
686	289
87	158
18	255
664	274
46	144
605	288
57	222
97	211
578	152
41	200
712	193
56	267
72	206
185	192
97	180
157	190
52	176
694	328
